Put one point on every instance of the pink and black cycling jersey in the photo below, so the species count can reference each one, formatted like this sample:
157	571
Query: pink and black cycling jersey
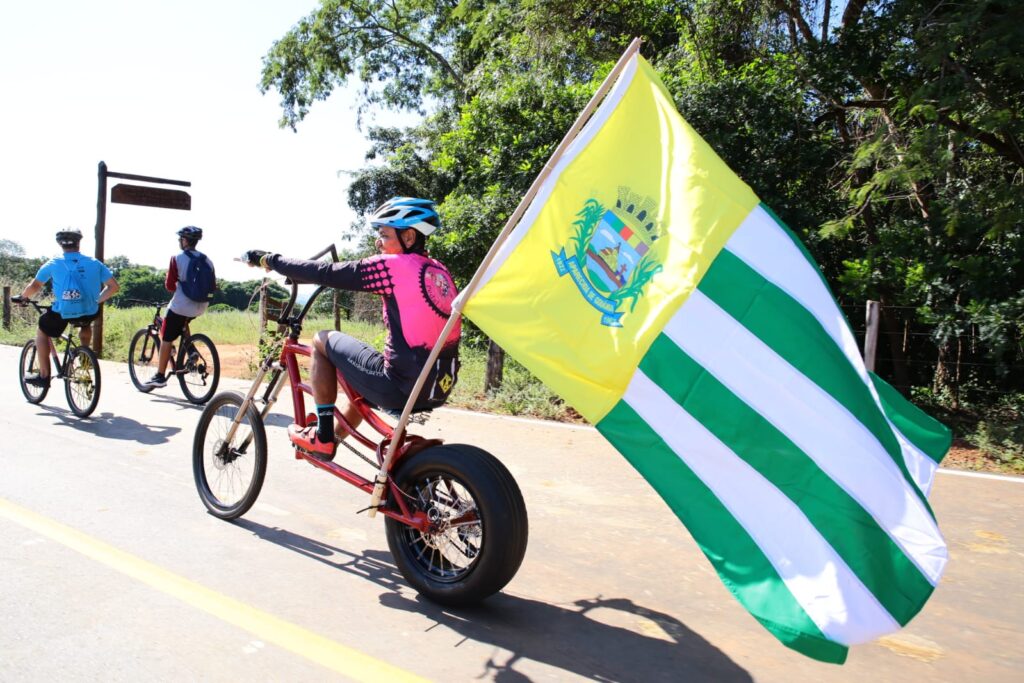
417	294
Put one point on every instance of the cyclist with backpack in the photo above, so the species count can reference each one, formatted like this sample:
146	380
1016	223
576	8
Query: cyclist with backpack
192	279
80	285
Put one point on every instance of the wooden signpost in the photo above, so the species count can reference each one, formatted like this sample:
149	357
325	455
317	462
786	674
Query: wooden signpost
140	195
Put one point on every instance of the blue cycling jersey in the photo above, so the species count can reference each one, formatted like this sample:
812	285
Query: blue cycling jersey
90	272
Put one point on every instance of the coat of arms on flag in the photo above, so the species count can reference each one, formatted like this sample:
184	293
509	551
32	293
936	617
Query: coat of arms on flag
611	258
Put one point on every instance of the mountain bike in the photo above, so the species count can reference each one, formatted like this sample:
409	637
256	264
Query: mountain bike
196	362
455	518
80	369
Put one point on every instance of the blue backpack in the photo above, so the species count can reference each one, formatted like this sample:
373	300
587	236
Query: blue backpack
76	300
199	281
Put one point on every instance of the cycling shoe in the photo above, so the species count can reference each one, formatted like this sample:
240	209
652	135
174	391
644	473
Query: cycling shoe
304	438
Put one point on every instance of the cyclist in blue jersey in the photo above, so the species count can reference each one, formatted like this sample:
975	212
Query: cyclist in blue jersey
80	285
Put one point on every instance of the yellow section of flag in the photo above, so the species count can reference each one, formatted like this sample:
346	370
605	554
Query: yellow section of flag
616	239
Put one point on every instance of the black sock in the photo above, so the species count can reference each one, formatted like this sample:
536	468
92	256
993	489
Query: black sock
325	423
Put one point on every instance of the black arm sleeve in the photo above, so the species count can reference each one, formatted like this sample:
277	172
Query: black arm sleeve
344	275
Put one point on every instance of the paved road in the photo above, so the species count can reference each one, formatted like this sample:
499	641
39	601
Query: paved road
111	570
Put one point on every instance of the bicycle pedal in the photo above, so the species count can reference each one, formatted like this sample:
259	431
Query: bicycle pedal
322	457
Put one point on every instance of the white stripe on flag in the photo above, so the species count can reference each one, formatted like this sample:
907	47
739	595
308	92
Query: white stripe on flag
592	127
764	246
821	583
813	420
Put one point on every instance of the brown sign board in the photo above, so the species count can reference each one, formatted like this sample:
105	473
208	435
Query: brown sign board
150	196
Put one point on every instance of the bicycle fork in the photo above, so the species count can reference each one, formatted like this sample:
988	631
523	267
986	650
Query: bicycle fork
273	391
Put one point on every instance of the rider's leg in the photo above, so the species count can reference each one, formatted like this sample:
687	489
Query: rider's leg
85	334
325	392
165	357
42	353
51	325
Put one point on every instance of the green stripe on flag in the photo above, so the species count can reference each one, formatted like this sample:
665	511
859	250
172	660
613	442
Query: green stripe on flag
792	332
929	435
759	588
865	547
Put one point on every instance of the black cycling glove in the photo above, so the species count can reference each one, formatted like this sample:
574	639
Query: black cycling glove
254	256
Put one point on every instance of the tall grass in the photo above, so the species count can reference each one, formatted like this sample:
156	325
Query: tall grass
520	393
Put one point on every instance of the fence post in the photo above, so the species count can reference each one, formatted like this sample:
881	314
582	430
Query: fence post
337	312
263	306
7	307
495	366
871	335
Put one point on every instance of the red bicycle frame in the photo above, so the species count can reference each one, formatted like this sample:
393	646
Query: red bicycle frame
410	443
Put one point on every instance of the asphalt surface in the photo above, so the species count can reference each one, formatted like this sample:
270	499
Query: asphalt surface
112	570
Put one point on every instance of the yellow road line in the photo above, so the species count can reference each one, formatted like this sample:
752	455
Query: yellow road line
328	653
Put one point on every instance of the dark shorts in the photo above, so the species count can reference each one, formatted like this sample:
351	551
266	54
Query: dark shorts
364	368
174	325
53	324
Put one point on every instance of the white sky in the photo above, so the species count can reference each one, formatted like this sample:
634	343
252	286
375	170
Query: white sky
165	88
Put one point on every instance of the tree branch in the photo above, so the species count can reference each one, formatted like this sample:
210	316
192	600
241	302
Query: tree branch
852	13
793	11
1003	148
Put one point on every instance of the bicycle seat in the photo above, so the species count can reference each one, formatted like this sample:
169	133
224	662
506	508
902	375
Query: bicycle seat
79	323
418	415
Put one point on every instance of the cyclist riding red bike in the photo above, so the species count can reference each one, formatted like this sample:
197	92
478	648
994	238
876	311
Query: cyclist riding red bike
417	293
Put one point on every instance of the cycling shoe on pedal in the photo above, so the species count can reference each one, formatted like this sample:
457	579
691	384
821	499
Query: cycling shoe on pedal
304	438
37	381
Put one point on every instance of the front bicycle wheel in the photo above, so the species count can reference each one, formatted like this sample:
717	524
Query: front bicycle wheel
229	468
29	367
143	357
198	369
478	524
82	381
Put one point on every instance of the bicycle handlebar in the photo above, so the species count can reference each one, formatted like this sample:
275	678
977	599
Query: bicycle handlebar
22	301
144	302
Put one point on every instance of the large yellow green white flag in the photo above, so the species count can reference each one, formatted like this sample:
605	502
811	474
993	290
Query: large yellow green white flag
647	285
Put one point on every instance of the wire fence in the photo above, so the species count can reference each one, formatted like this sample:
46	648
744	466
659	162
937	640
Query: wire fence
913	354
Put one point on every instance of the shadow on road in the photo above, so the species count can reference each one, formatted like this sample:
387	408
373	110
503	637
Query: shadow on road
172	400
569	637
110	426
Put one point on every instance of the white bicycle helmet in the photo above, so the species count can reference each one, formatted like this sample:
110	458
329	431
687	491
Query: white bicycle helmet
401	213
69	237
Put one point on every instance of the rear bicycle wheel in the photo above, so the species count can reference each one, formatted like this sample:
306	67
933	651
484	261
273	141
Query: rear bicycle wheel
82	381
29	365
479	528
143	357
229	472
199	369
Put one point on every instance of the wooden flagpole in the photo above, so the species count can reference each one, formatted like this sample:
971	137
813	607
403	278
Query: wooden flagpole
513	220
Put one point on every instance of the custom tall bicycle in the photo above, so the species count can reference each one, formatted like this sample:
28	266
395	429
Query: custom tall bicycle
455	519
196	363
80	369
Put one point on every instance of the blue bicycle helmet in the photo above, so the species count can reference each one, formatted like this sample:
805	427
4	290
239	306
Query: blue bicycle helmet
191	233
401	213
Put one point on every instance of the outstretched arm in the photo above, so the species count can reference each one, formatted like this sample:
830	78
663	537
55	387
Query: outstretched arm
342	275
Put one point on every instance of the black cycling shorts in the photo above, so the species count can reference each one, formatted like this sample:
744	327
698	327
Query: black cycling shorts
174	325
364	368
53	324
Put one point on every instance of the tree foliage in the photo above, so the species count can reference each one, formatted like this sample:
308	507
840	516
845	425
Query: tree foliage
888	133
